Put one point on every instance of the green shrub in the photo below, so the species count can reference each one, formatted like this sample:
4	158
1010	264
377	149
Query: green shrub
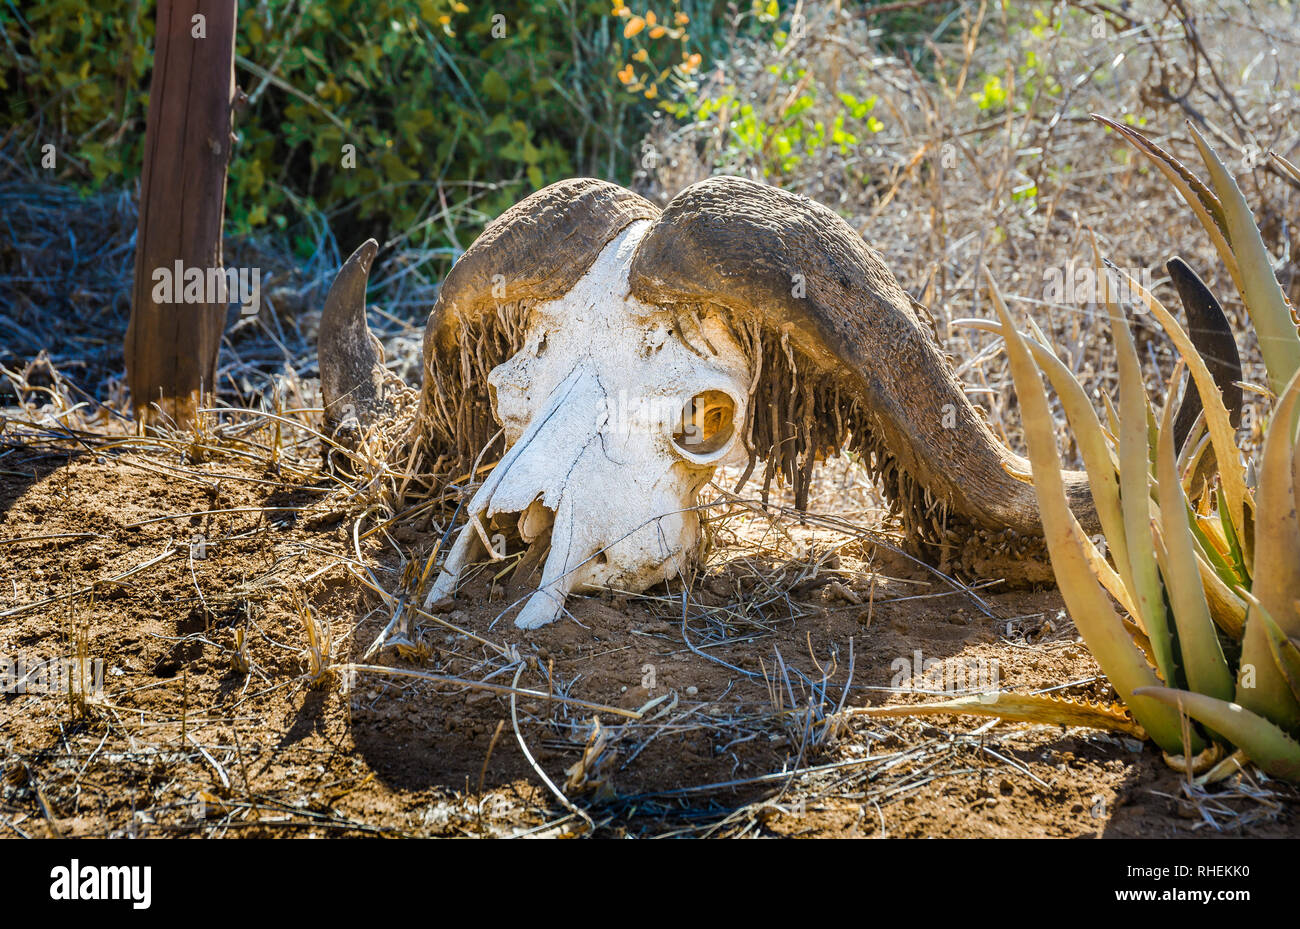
450	108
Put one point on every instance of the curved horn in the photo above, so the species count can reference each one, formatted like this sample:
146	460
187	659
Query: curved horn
533	252
864	367
350	358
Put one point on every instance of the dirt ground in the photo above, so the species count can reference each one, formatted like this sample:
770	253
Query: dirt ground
215	720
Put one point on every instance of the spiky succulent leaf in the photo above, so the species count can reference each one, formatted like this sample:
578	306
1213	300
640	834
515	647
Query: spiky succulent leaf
1262	687
1192	189
1206	669
1275	326
1232	473
1110	643
1134	482
1265	744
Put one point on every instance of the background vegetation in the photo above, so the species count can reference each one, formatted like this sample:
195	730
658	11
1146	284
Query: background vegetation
956	137
455	110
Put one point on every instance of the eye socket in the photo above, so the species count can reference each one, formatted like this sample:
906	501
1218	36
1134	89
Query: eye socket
708	422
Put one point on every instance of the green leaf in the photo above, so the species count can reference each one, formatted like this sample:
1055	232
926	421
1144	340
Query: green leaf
1279	342
1192	189
1232	473
1089	606
1277	569
1273	750
1134	483
1198	641
495	87
1285	650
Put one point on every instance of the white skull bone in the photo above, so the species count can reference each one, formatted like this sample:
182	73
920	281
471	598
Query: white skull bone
825	322
598	449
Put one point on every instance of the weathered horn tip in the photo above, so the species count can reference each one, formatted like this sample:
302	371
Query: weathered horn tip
350	358
365	254
347	294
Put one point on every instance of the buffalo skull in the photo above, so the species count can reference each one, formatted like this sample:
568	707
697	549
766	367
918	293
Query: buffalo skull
625	353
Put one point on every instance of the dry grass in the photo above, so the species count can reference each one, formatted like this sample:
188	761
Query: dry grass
939	191
946	187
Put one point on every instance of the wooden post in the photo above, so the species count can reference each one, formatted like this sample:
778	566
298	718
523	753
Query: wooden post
172	344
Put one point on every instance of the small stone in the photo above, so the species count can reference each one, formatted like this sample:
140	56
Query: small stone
692	690
405	533
838	591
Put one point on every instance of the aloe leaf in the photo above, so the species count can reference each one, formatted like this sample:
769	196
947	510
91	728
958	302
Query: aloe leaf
1192	452
1235	557
1112	417
1285	650
1277	570
1203	662
1120	659
1135	484
1091	439
1028	708
1286	166
1210	552
1265	744
1192	189
1212	335
1226	606
1270	312
1279	342
1232	473
1277	527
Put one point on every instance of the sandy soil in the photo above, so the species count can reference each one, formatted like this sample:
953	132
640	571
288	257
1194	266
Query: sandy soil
209	723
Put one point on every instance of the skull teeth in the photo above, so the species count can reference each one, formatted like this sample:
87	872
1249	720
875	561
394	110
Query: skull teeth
535	524
534	521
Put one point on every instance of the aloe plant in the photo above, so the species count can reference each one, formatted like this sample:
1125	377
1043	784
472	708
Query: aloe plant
1196	558
1197	563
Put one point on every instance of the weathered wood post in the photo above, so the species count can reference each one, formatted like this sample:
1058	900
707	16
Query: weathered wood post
175	331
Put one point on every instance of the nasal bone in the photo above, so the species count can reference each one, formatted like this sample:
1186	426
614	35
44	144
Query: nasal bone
534	468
